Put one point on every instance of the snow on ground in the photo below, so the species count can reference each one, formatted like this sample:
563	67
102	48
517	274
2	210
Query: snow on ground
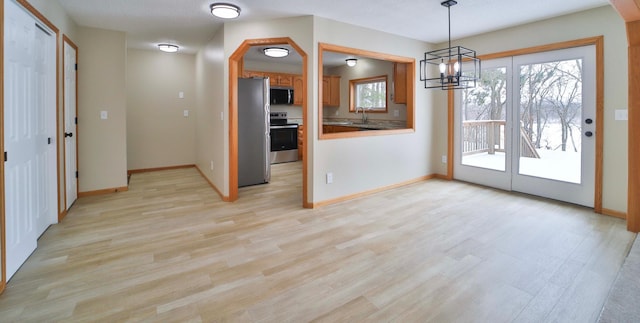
552	164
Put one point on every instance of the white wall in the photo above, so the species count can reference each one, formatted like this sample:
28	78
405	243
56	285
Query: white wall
366	163
600	21
102	157
158	133
212	141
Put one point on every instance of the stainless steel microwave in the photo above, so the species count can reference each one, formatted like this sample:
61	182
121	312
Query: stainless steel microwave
281	96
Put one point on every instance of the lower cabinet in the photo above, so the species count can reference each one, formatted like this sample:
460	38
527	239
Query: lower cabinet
300	142
334	129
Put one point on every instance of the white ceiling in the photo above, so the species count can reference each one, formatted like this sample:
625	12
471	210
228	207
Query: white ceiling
190	24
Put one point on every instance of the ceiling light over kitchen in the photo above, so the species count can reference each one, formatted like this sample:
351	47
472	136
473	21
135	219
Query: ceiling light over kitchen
449	63
351	62
276	51
169	48
225	10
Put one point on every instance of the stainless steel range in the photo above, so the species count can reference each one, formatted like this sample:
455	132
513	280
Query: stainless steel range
284	138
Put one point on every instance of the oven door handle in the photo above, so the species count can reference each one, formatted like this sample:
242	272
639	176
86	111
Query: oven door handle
292	126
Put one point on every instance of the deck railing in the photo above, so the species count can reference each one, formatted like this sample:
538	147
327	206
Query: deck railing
483	136
487	136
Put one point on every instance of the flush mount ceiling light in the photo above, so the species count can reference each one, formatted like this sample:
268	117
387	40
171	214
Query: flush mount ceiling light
225	10
351	62
169	48
448	63
275	51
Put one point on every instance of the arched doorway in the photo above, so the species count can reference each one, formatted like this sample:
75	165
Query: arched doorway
234	71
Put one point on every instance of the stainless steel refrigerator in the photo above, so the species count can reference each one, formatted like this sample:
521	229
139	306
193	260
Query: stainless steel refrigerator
254	142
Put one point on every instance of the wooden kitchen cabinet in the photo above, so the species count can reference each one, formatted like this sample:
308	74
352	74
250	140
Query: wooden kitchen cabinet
334	129
280	79
300	142
400	83
248	74
298	89
283	80
331	90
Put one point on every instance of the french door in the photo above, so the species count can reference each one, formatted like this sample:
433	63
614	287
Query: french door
529	126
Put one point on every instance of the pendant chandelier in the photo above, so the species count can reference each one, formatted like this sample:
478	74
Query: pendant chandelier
457	67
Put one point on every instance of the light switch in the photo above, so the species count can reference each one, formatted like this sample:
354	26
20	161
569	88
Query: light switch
622	114
104	115
181	95
185	113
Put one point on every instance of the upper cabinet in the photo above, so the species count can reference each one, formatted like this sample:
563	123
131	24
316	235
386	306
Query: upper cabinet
298	89
280	79
400	83
331	90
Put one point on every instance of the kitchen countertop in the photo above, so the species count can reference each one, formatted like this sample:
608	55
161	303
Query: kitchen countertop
370	125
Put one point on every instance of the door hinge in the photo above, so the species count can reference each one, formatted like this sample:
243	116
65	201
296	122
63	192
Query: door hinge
76	120
76	66
49	141
5	156
76	174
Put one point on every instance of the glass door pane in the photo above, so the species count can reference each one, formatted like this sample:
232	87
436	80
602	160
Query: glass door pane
550	130
483	118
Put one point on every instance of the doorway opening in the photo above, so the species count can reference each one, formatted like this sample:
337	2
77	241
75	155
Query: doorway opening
236	69
533	125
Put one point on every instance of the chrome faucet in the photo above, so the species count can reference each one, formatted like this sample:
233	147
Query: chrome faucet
364	115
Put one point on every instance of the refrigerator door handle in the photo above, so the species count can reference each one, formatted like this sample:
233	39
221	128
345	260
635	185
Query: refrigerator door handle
267	131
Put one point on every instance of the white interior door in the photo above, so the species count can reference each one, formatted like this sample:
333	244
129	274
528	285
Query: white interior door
70	124
529	126
29	129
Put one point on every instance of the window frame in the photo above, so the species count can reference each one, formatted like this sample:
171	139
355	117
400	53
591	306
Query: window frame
353	84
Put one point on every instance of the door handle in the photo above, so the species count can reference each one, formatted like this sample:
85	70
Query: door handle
68	134
588	133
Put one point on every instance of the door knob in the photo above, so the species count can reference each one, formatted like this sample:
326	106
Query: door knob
588	133
68	134
588	121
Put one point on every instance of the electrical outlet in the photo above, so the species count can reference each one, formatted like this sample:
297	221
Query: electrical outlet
444	159
185	113
180	95
329	178
104	115
221	116
396	113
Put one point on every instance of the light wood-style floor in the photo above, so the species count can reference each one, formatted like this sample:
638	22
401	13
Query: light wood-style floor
436	251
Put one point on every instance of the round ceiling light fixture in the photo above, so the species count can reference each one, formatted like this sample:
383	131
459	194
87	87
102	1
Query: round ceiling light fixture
168	48
276	51
225	10
351	62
